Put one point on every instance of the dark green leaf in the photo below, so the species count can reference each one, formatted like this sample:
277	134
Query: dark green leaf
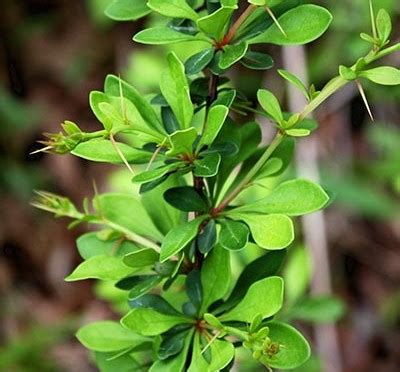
185	198
257	60
144	285
199	61
193	288
207	238
170	123
154	302
171	344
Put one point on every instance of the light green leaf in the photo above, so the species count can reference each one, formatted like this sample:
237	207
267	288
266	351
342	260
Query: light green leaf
215	277
215	120
149	322
298	132
222	352
141	258
294	349
198	363
215	24
232	53
270	104
293	198
107	335
383	25
207	166
173	8
102	267
264	297
162	35
291	78
302	24
182	141
125	212
175	89
103	150
95	98
384	75
272	166
127	10
234	235
179	237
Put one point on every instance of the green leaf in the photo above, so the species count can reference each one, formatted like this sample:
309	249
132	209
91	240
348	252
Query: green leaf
177	363
321	310
127	10
154	302
215	24
347	73
182	141
383	25
198	363
302	24
294	349
264	266
148	322
102	150
272	231
179	237
100	267
162	35
116	209
107	336
173	8
143	285
222	352
95	99
234	235
291	78
193	288
232	53
207	166
154	174
141	258
298	132
114	86
175	89
207	238
270	104
264	297
215	277
172	343
199	61
293	198
215	120
185	198
385	75
270	168
89	245
106	362
257	60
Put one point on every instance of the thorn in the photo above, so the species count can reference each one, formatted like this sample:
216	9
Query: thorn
44	149
123	108
210	342
269	11
121	155
153	157
364	97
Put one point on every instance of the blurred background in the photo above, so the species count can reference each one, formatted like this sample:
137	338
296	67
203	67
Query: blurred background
54	52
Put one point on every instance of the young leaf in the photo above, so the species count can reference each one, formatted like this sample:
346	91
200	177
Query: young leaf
215	24
199	61
302	24
215	277
234	235
182	141
272	231
179	237
162	35
207	166
294	349
108	336
383	25
185	198
175	89
126	10
173	8
148	322
102	267
207	238
232	53
291	78
257	60
270	105
102	150
384	75
215	120
298	132
293	198
264	297
141	258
